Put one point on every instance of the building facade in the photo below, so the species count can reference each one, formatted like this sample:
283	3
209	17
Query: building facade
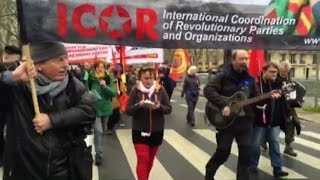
303	62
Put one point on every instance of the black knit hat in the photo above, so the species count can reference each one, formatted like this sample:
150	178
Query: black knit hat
44	51
12	50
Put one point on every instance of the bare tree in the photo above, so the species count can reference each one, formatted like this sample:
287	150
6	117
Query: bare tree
195	55
9	32
168	55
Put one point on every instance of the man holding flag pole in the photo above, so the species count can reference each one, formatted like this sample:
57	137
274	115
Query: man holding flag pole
45	141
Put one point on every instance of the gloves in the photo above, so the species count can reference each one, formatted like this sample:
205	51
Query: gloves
298	127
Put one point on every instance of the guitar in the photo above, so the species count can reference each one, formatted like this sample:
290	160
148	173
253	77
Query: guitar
236	103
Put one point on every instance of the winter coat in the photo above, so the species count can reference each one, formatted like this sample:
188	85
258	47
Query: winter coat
276	110
227	83
103	105
145	119
29	155
191	87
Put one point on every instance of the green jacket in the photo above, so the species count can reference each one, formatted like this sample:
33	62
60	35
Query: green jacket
103	105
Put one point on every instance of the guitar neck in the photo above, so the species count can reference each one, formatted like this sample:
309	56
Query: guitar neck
255	99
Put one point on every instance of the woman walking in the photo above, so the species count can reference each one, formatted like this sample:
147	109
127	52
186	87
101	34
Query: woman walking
191	90
101	85
148	103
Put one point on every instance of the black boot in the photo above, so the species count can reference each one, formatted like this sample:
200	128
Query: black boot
289	150
278	172
253	170
98	160
209	175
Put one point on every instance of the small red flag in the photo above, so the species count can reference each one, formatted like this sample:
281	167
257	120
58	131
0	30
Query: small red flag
256	63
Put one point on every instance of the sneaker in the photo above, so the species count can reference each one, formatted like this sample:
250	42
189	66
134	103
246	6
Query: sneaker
278	172
98	160
289	150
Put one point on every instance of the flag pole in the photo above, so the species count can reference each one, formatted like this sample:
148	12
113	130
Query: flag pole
29	61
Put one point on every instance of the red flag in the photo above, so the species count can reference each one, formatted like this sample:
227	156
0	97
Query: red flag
114	60
157	65
256	63
123	58
180	64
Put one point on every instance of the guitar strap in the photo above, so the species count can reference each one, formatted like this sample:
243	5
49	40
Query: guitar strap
263	108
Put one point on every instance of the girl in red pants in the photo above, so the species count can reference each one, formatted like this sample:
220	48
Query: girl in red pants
148	102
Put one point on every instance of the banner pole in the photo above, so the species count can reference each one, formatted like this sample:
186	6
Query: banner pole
29	61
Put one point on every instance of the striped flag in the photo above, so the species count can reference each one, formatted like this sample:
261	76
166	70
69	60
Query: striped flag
278	8
305	24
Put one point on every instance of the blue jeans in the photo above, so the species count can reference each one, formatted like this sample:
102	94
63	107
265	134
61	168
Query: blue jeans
272	137
99	129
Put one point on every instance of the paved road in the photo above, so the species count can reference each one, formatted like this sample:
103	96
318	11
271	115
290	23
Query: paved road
186	150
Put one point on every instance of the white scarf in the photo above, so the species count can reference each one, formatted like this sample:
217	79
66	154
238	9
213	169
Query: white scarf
148	91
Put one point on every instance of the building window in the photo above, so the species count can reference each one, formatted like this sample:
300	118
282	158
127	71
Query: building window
293	58
293	72
314	59
215	62
302	61
283	57
269	57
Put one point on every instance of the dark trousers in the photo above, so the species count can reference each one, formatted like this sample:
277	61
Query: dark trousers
169	92
191	102
290	126
289	133
224	141
2	142
114	118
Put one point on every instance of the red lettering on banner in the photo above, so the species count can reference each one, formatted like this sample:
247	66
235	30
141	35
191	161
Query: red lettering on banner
76	20
146	20
62	19
148	26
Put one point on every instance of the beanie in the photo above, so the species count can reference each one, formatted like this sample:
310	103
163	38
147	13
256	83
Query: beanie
43	51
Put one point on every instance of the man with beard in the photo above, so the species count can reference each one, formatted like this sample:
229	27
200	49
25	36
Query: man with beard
10	57
225	84
235	78
49	145
269	117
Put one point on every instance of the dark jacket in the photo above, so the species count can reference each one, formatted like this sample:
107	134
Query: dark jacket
225	84
289	110
131	82
275	112
29	155
144	117
166	81
191	86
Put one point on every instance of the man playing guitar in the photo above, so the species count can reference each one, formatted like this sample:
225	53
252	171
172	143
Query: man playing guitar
234	79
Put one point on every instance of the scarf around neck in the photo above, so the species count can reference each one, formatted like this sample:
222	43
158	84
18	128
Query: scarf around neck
148	91
47	86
